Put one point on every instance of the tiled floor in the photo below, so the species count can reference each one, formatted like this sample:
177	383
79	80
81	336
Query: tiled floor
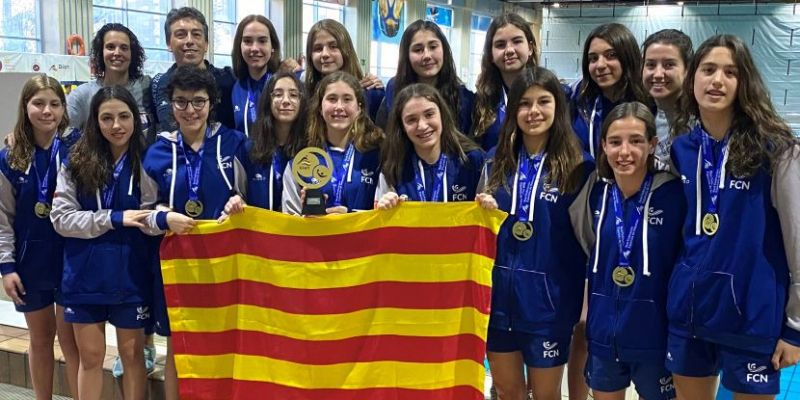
10	392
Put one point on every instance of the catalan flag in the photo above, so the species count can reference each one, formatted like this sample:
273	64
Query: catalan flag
378	305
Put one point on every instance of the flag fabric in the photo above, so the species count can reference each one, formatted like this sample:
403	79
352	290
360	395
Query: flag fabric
379	305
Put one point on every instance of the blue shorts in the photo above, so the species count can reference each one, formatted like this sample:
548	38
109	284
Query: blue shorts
36	300
652	380
742	371
125	316
537	351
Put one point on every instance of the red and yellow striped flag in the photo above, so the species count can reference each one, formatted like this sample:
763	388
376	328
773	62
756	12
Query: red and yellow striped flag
388	305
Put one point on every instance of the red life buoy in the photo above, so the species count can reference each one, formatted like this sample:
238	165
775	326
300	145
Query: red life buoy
73	40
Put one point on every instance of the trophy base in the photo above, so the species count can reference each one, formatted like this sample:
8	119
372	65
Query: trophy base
314	203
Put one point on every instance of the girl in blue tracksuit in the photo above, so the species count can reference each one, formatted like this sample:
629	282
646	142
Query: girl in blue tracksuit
734	296
631	227
339	125
256	57
508	49
425	57
99	208
329	49
612	73
537	282
667	54
425	157
30	249
196	169
278	134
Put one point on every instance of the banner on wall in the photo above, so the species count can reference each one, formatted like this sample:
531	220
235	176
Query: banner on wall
62	67
387	20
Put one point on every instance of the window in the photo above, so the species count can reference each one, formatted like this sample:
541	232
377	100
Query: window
315	10
227	14
477	38
145	18
20	23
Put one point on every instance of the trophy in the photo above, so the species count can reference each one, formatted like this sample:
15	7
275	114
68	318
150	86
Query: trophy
311	169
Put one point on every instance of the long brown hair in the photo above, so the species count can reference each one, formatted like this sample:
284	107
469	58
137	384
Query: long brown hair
90	160
240	69
349	57
21	154
447	81
489	87
758	134
398	146
624	110
265	139
564	153
363	133
623	42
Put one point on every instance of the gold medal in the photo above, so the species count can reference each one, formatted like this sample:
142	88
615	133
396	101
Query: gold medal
41	209
623	276
710	224
193	208
522	231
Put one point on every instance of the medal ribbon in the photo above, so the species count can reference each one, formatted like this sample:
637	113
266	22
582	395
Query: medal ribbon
108	191
526	183
338	178
44	184
625	239
252	98
441	169
194	166
712	168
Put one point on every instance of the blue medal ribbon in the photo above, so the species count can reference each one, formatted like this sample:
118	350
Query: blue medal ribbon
712	168
252	98
625	238
44	184
527	170
441	169
108	190
194	166
339	174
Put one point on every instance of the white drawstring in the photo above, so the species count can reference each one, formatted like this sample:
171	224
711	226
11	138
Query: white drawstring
534	189
99	203
219	163
645	223
600	228
271	189
174	174
698	194
246	113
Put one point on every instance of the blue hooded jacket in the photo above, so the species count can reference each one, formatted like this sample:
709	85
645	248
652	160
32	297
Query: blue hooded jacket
537	285
730	288
29	245
629	324
222	173
104	261
462	178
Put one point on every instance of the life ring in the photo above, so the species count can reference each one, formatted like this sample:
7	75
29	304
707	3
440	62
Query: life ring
73	40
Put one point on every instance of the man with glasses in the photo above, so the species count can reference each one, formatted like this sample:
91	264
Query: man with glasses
187	38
